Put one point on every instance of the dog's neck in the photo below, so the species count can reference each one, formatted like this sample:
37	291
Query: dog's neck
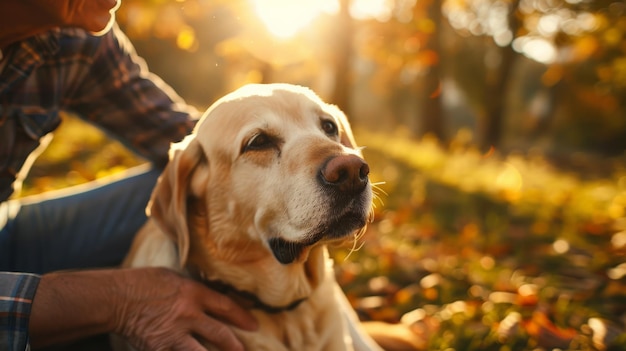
249	300
249	266
261	282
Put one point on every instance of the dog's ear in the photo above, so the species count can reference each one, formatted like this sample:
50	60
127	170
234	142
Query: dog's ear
168	204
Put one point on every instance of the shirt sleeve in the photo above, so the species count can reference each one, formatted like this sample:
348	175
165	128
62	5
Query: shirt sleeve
119	94
17	291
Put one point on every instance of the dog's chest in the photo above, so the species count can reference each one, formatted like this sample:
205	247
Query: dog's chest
315	325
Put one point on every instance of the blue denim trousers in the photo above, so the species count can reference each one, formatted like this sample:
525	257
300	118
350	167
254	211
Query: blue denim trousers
85	226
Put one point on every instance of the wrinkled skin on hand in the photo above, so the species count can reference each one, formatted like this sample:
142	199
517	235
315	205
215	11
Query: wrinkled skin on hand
152	308
162	310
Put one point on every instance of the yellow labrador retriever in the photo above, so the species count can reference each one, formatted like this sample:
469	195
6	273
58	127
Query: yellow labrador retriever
247	203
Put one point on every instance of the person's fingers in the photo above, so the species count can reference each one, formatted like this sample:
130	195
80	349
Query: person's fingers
162	308
218	334
190	344
224	308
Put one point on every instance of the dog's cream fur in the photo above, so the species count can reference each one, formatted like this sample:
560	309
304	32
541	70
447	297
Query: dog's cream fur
249	175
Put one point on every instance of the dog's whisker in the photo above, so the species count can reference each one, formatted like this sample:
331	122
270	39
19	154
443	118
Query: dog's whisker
370	216
376	188
377	198
376	193
356	246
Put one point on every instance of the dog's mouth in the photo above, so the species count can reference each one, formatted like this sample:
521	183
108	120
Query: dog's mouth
287	251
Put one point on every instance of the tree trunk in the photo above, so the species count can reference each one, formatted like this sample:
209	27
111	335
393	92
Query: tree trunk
497	88
432	115
343	57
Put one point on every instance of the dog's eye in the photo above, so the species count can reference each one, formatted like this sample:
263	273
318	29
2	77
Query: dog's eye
260	141
329	127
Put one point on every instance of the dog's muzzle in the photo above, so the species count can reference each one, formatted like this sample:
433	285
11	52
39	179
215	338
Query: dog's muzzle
344	180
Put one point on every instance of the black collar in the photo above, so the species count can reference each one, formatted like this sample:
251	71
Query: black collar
245	299
248	299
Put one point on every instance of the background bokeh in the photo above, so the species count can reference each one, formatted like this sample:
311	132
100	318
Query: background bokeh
496	135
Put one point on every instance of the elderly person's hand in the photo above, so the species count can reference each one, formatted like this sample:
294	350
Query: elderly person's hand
152	308
20	19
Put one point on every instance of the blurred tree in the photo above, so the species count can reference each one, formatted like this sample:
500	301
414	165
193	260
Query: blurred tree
592	38
406	46
428	16
343	38
490	80
580	43
527	70
498	82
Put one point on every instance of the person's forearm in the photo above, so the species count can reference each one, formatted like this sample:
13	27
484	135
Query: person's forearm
151	308
72	305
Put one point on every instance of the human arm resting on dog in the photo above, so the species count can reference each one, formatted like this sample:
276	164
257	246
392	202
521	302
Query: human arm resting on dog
153	308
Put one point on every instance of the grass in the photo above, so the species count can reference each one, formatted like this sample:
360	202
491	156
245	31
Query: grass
78	153
486	252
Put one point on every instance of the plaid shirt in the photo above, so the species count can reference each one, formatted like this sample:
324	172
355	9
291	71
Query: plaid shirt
101	80
16	296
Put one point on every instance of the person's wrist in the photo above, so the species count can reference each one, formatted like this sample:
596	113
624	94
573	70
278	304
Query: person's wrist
120	300
116	303
71	305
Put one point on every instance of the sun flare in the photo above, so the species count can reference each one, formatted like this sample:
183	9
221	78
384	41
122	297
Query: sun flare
285	18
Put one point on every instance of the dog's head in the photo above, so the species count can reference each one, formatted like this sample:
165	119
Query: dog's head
267	164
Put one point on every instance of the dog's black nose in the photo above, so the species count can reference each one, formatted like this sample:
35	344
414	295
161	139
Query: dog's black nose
348	173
